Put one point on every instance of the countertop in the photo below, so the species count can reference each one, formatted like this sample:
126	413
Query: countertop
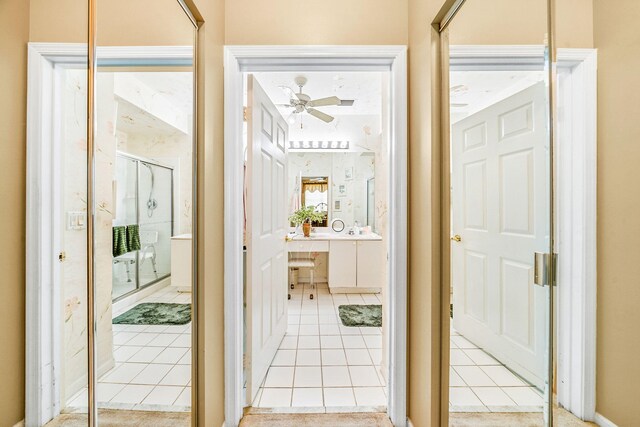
335	236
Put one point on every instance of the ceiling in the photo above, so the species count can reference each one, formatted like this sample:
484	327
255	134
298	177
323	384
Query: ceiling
176	87
363	87
359	123
472	91
134	120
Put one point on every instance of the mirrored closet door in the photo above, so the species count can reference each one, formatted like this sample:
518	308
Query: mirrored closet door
112	177
497	80
144	140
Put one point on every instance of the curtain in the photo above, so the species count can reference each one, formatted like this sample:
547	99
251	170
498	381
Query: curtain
313	187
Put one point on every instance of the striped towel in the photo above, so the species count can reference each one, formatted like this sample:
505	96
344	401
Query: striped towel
133	237
126	238
119	240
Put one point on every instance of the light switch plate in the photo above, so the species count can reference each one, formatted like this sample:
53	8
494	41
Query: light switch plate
76	220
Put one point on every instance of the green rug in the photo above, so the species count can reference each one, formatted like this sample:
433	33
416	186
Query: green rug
156	313
361	315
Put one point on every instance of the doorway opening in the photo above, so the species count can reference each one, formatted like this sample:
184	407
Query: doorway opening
323	313
334	130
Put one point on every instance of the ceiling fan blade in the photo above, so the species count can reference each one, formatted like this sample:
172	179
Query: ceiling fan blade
320	115
322	102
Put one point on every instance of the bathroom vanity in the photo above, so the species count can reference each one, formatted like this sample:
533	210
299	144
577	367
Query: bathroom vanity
356	263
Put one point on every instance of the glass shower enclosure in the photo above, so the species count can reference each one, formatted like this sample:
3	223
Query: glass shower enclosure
143	223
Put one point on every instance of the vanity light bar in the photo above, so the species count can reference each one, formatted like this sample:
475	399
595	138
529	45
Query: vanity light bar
319	145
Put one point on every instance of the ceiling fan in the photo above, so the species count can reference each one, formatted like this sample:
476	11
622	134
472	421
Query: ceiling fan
302	102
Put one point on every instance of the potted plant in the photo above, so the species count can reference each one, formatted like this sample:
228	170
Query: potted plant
306	216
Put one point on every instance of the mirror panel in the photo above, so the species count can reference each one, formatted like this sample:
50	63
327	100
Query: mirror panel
350	194
144	176
500	150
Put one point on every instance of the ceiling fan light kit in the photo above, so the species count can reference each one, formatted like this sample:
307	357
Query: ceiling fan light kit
301	102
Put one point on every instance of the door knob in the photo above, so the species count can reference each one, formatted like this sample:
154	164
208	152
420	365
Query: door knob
456	238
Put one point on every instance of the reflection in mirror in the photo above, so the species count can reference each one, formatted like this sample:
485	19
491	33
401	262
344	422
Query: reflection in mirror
56	304
500	206
315	192
339	183
144	173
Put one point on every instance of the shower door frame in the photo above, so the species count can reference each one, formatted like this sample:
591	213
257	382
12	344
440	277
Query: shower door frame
138	160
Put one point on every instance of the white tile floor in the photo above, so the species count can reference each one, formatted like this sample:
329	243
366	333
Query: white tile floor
480	383
152	364
322	364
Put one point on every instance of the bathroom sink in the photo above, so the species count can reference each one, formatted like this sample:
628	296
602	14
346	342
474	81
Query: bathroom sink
339	236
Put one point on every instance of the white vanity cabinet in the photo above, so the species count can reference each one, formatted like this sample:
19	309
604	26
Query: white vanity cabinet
372	260
342	263
357	264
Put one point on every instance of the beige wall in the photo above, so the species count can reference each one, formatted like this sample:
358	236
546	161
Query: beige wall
210	210
14	33
617	39
424	207
316	22
522	22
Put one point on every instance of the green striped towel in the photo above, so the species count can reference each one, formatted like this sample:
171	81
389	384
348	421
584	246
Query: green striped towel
119	241
133	237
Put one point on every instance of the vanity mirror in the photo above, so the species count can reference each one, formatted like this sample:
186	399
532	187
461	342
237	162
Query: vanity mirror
314	191
339	184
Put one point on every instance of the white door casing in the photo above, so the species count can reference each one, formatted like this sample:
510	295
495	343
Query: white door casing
266	230
500	204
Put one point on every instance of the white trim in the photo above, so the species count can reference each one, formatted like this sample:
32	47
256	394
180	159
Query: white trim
238	59
507	57
43	336
576	344
576	184
77	52
603	422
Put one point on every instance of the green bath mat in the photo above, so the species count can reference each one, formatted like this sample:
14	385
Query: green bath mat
361	315
156	313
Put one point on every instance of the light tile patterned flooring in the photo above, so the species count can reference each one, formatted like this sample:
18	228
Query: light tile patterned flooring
480	383
152	364
321	363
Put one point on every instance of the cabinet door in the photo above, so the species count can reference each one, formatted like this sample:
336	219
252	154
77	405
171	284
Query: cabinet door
342	264
372	264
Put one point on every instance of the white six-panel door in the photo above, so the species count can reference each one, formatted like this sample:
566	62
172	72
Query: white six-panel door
500	210
267	226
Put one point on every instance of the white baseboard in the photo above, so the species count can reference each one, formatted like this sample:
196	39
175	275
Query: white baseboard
409	423
19	424
603	422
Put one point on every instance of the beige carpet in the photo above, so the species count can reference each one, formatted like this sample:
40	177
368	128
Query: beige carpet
113	418
562	418
315	420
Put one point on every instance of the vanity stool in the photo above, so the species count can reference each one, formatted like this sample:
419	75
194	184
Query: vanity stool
302	263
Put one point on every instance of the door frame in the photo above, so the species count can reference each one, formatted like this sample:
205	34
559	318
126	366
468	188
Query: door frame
241	59
43	314
575	353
